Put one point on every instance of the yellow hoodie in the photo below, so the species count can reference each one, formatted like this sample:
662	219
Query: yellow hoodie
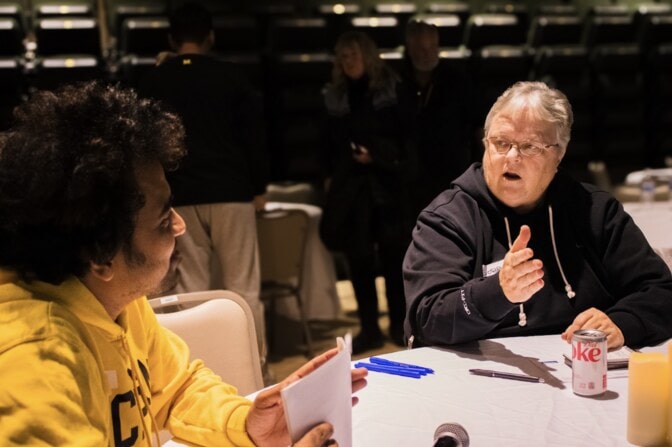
70	375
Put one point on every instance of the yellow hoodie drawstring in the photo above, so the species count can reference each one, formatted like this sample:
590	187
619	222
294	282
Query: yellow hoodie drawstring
136	377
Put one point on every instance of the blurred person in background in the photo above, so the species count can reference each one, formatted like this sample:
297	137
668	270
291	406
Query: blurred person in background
439	98
223	177
367	159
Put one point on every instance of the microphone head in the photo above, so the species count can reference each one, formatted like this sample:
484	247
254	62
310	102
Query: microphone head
451	434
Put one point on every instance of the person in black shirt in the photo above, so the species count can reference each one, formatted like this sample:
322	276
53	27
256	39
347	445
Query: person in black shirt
223	178
439	99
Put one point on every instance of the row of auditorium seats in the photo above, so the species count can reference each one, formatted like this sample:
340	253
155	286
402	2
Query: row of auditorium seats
140	28
614	63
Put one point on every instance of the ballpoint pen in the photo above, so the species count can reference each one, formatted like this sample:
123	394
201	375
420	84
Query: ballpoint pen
385	362
506	375
405	372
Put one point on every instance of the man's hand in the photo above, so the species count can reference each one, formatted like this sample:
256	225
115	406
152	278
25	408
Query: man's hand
520	276
266	424
596	319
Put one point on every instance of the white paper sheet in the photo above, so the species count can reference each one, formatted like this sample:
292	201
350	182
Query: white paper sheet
325	395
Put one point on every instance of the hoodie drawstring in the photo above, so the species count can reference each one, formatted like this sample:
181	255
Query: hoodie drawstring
568	286
522	317
137	377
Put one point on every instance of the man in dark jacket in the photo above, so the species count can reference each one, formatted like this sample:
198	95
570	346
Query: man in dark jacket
517	248
438	97
224	175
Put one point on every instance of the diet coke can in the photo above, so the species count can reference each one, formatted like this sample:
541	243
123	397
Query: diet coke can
589	362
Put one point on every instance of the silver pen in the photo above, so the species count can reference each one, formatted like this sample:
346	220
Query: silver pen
506	375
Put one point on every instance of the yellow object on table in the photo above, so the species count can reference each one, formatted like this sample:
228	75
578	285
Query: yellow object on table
648	398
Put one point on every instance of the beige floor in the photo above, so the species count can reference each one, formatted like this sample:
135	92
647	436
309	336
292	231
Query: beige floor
288	353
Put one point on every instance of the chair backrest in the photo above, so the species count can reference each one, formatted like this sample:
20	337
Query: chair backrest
218	327
282	238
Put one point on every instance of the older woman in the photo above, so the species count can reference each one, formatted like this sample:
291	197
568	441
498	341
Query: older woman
515	247
365	159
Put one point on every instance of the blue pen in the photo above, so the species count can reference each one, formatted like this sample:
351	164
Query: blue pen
382	361
389	370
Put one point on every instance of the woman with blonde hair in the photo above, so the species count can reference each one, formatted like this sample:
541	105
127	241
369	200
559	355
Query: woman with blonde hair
366	160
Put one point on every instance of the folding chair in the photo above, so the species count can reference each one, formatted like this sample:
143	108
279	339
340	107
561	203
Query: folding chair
218	327
282	238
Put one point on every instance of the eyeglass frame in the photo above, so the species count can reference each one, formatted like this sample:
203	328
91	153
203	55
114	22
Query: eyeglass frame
539	149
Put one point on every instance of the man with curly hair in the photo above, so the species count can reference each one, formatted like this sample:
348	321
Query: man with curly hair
86	231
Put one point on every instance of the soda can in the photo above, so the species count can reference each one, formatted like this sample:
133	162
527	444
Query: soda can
589	362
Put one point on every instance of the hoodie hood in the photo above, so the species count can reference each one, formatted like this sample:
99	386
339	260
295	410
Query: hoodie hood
71	294
472	182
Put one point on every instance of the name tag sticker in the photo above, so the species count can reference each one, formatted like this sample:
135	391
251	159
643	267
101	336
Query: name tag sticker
492	269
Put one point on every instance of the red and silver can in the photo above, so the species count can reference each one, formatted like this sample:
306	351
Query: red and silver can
589	362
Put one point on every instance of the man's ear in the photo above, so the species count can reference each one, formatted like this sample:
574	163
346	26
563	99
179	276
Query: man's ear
103	272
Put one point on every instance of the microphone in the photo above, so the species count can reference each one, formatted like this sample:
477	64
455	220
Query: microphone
451	435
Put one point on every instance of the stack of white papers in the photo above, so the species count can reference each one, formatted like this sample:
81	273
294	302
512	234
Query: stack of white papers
324	395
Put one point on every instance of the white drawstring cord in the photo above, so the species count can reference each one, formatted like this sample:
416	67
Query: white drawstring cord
568	287
522	317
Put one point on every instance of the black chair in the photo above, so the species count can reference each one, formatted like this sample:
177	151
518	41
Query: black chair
298	34
606	10
296	103
654	31
53	71
619	108
645	11
555	30
518	9
558	10
46	8
449	26
338	16
216	7
401	10
601	30
460	9
13	10
70	35
132	68
237	34
119	11
12	88
144	35
11	36
658	73
495	68
384	30
493	29
567	68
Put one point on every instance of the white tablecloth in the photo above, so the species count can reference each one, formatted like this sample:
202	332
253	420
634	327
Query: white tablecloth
655	221
395	411
398	411
319	275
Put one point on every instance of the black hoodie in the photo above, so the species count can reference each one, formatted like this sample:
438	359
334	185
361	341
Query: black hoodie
601	252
